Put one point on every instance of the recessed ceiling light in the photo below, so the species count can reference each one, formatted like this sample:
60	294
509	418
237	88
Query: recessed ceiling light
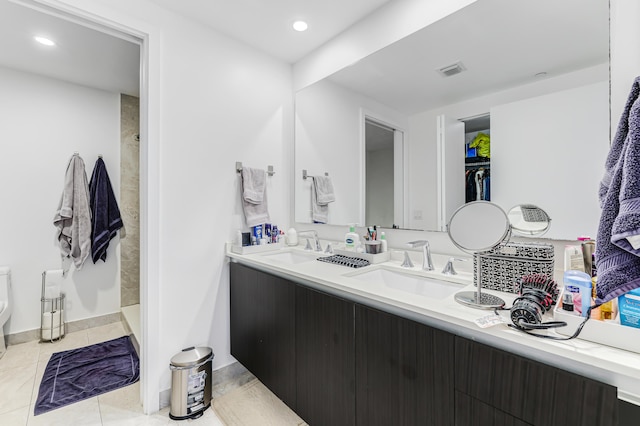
45	41
300	26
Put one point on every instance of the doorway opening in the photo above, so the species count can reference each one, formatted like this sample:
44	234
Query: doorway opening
384	174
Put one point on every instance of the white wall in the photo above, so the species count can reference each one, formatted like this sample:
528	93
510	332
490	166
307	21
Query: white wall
336	148
547	151
422	126
625	55
212	101
45	122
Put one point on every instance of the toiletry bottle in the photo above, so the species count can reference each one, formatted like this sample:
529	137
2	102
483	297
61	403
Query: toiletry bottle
383	241
351	239
573	260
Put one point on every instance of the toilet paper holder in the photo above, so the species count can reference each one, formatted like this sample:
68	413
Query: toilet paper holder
52	324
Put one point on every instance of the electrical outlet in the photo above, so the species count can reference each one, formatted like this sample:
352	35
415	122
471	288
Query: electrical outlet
417	214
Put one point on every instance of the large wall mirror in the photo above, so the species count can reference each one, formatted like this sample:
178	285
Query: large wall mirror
533	76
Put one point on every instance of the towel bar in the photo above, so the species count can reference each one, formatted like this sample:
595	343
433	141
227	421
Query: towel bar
305	175
270	171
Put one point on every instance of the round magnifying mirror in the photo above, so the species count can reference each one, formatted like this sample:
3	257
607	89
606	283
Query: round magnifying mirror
478	227
529	220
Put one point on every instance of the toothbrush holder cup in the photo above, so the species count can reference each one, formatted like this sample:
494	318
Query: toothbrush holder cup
373	247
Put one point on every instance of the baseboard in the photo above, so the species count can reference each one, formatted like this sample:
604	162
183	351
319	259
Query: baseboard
85	324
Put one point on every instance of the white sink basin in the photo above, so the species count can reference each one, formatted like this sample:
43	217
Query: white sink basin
291	257
410	283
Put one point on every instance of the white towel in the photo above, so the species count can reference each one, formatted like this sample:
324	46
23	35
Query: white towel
321	195
73	218
254	196
324	190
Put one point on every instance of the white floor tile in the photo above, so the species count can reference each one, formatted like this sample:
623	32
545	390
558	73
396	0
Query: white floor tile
85	413
15	417
21	355
105	332
16	387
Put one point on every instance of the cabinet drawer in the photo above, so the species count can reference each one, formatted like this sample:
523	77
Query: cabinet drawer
531	391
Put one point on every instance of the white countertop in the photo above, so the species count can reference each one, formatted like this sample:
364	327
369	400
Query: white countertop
609	365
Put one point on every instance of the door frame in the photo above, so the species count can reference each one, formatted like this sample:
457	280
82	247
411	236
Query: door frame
127	27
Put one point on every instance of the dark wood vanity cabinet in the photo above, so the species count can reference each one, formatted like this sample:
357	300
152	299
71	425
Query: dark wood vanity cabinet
262	328
297	341
404	371
337	362
511	389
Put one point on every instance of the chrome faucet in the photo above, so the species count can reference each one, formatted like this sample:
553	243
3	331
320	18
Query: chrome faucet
427	263
315	238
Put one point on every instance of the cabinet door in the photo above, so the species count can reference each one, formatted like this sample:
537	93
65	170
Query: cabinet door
404	371
325	358
262	328
534	392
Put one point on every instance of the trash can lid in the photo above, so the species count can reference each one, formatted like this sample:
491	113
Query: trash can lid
191	356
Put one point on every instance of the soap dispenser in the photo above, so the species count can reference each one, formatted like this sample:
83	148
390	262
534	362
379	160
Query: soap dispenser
351	238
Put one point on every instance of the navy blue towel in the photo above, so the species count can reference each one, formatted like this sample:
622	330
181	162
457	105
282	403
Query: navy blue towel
105	220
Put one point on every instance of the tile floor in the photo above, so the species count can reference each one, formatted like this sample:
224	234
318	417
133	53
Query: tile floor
21	371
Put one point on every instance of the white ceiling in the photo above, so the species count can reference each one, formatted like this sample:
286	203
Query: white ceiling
82	55
266	24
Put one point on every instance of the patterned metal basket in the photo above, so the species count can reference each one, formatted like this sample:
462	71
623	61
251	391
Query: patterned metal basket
503	266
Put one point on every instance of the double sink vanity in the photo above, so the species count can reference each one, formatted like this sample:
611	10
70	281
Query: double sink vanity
386	344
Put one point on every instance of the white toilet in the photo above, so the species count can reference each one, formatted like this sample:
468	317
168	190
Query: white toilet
5	303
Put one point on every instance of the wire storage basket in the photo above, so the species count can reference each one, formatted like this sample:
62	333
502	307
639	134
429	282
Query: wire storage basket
52	324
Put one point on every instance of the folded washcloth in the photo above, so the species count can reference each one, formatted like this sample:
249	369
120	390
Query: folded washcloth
106	219
617	251
324	190
254	196
253	185
73	217
319	212
321	195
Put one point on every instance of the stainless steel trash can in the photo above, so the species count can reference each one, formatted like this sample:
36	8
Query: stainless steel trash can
190	383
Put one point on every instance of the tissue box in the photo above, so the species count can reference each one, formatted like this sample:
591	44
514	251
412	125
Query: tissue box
629	308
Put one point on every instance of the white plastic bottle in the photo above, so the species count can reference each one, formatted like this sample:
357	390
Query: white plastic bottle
383	241
351	238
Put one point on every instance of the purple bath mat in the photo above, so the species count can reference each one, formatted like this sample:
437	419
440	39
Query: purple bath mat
78	374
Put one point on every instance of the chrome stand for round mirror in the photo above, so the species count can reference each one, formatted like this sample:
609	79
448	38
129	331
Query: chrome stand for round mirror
478	299
477	228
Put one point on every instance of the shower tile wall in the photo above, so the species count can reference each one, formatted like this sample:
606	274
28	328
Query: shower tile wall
130	200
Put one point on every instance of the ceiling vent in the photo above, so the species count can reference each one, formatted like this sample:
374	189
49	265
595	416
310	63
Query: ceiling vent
452	69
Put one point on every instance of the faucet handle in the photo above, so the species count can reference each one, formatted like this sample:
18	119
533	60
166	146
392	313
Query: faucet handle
448	268
329	249
407	263
308	246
